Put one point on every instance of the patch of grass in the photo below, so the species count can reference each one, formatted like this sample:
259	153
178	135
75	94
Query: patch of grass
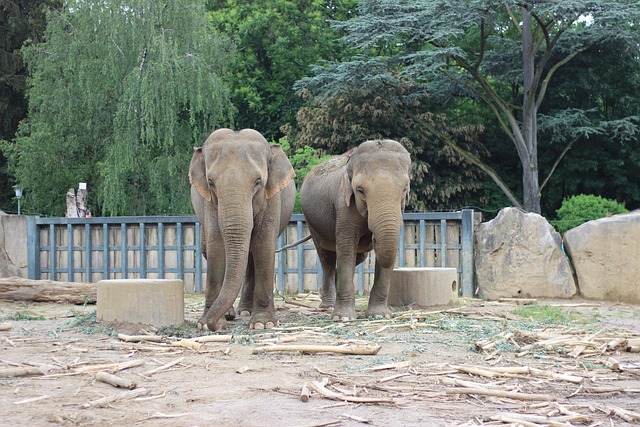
545	314
89	324
24	315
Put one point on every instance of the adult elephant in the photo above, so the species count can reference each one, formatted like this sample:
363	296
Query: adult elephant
243	193
352	204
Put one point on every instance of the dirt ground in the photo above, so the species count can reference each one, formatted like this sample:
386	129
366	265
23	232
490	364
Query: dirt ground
478	363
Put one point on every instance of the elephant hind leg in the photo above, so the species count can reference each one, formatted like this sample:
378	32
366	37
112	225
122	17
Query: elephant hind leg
245	308
328	286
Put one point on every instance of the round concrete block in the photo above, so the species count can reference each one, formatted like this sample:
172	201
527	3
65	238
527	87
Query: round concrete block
157	302
424	286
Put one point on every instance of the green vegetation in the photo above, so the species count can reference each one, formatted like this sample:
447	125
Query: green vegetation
545	314
499	103
24	315
89	324
579	209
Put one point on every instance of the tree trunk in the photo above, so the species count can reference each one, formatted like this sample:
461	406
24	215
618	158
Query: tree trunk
20	289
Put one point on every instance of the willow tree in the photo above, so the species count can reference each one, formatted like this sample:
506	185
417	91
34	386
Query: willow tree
501	53
121	91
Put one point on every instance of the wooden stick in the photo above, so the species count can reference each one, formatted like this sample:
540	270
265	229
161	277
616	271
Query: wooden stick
111	367
20	372
386	366
131	394
31	400
540	419
6	326
501	393
305	393
189	343
366	350
319	388
296	303
138	338
114	380
163	367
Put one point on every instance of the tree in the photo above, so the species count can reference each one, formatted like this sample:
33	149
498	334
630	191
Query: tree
388	107
121	92
20	20
280	39
503	54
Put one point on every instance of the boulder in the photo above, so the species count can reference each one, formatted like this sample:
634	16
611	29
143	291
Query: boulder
604	253
519	254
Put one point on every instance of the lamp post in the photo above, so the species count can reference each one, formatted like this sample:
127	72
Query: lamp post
18	196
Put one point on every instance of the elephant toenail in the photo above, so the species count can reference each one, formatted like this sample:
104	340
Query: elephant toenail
258	325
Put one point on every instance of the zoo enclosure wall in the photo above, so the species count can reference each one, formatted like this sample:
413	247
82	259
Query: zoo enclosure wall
157	247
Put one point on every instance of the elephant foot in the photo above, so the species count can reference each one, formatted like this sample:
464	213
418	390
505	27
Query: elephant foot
326	306
244	311
231	314
205	325
263	321
378	312
343	313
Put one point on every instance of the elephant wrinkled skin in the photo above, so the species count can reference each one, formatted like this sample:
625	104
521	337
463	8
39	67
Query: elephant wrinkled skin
243	193
354	203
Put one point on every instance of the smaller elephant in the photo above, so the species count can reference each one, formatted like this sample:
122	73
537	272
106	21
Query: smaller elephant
243	193
352	204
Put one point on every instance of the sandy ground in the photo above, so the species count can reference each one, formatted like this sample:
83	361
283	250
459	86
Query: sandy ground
478	363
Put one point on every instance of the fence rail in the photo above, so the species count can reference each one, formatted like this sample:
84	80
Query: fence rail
92	249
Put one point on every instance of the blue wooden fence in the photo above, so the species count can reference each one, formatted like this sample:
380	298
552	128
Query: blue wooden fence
92	249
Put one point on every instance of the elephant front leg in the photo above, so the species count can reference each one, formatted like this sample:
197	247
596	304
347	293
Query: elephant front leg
263	315
246	299
215	276
378	296
345	308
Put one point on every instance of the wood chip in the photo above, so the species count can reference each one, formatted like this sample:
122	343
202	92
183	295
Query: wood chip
319	388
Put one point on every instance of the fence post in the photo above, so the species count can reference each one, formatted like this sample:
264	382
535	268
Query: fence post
33	248
468	289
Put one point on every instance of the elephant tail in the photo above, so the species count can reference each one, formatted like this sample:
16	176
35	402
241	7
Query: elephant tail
291	245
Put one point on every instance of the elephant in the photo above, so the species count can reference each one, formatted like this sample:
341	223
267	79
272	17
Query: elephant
243	193
354	203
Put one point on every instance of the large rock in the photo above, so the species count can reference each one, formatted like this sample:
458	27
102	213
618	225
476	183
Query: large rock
520	254
13	246
605	255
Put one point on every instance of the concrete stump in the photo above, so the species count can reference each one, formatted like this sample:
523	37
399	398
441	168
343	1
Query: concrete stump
424	286
157	302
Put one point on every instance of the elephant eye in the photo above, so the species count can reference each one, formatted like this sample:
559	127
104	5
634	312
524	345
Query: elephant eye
212	185
360	191
257	184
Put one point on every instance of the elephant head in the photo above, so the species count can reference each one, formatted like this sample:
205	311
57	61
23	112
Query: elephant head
237	174
376	179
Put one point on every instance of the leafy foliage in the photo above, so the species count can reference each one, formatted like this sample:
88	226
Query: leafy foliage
302	159
120	93
579	209
20	20
503	54
279	40
388	108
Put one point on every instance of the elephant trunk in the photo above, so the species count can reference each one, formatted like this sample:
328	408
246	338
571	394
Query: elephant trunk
236	225
385	222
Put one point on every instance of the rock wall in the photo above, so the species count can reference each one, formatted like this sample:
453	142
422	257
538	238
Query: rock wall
13	246
606	256
519	254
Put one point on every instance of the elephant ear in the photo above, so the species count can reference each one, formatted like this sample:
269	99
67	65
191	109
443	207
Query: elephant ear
345	186
345	183
281	172
197	174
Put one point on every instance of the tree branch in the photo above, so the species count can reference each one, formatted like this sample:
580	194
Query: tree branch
425	130
557	162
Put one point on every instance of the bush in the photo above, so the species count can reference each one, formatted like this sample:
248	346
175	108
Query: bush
302	160
579	209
